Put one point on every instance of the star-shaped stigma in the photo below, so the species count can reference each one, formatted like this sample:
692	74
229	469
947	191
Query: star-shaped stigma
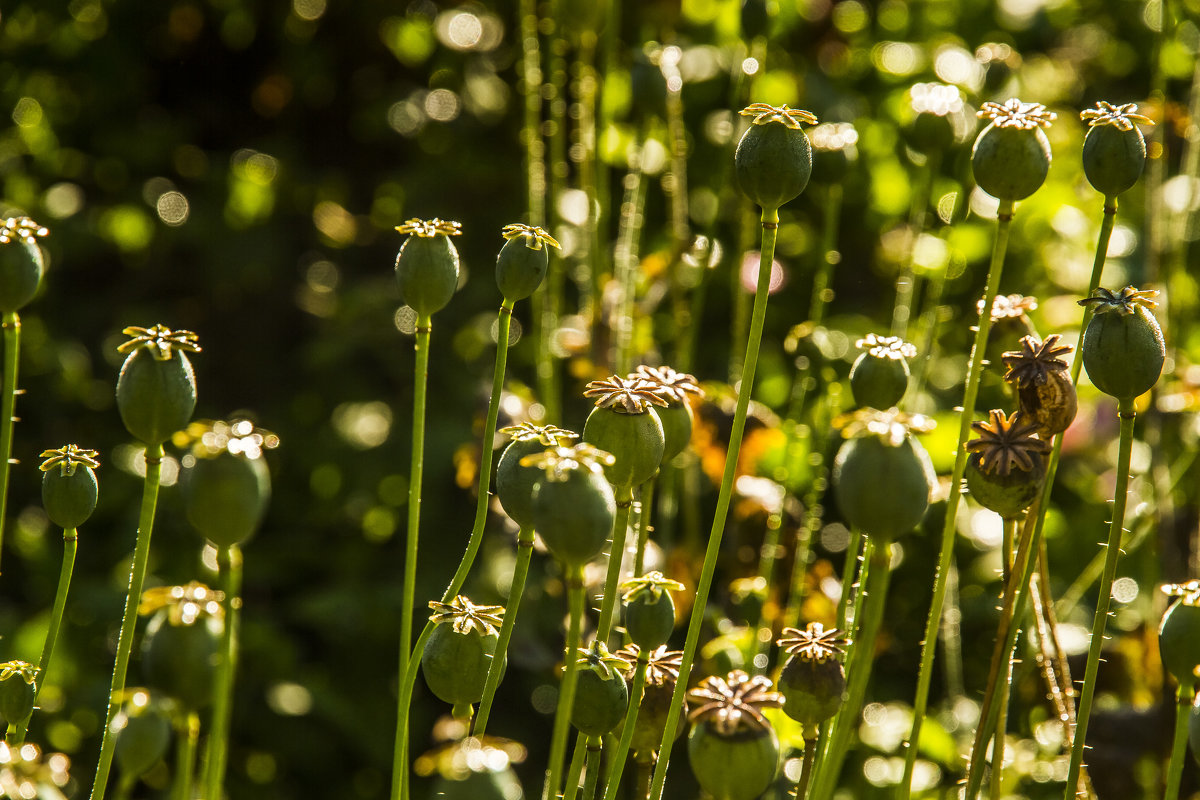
534	236
465	616
1005	442
547	435
209	438
1009	306
160	340
814	643
886	347
651	586
791	117
22	669
598	659
67	458
1033	363
1015	114
935	98
1188	593
662	665
734	703
1126	301
669	384
429	228
23	229
559	462
1122	117
625	395
185	604
891	426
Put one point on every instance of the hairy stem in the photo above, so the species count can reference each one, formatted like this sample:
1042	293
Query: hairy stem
8	401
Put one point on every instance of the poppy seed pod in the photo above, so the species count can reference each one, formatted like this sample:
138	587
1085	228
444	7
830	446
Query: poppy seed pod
1114	151
1123	347
624	424
69	489
773	160
573	504
1044	388
182	644
1007	464
225	481
156	390
514	482
1179	634
21	262
649	609
143	731
732	748
1011	156
460	651
601	694
676	416
879	377
813	680
427	264
18	689
523	260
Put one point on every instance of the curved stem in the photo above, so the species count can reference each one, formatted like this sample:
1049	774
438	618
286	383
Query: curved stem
591	773
1127	414
8	401
858	670
185	757
416	472
770	226
616	765
137	574
1184	697
970	393
566	694
616	554
408	676
810	756
496	669
216	748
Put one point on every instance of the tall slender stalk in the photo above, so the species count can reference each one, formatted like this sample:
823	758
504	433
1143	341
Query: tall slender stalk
1125	410
617	759
646	503
629	229
408	677
616	554
766	570
770	226
970	393
566	693
574	771
70	544
806	771
216	748
554	90
496	670
591	772
8	399
416	472
185	757
1184	699
137	575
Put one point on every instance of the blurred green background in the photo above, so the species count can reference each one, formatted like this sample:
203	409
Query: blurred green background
236	168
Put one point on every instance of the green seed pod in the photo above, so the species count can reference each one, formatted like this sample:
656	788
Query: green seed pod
156	390
18	688
655	707
523	260
21	262
676	416
183	639
935	106
143	732
879	377
573	504
514	482
459	652
427	264
1007	464
1179	634
882	478
1123	347
1011	156
601	694
1044	388
649	609
1114	152
733	750
225	481
69	489
813	679
624	424
773	160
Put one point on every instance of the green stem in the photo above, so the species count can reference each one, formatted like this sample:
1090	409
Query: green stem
515	591
616	764
416	473
616	554
850	574
70	544
1184	697
216	748
858	670
970	393
1009	536
8	401
770	227
531	130
185	756
575	770
408	677
566	694
643	524
137	574
1126	412
591	773
810	756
